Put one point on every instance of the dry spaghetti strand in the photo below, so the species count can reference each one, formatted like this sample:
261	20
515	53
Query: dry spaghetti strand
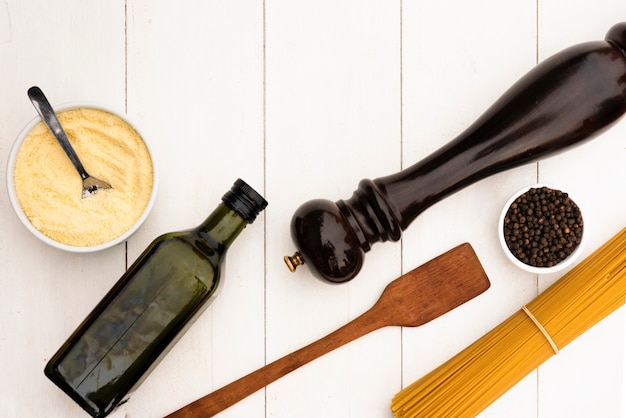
469	382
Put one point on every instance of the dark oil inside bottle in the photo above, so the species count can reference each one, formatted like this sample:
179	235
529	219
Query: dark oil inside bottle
134	324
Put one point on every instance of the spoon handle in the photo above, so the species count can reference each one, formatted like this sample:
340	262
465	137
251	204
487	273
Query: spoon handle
46	112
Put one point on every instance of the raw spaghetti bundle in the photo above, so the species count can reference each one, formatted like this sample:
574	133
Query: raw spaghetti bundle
469	382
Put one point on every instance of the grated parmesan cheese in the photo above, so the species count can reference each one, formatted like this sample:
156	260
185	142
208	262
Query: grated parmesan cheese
49	189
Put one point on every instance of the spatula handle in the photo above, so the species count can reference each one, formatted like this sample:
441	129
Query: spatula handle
232	393
569	98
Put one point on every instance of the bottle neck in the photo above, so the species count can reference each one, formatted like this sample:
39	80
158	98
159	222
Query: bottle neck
221	228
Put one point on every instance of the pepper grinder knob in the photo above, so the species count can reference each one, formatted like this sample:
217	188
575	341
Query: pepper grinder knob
293	261
569	98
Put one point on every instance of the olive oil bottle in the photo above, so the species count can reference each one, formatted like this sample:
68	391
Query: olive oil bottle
148	308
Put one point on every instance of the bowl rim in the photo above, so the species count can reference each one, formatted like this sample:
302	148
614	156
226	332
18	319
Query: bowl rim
17	209
567	262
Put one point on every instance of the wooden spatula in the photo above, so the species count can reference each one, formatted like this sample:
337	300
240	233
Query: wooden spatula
413	299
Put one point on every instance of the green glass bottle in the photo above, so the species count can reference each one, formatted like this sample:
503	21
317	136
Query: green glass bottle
148	308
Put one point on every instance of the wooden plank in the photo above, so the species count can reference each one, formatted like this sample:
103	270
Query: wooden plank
509	285
73	57
195	78
586	378
457	60
333	118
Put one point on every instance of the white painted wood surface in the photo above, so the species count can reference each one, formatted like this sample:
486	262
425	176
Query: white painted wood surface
302	100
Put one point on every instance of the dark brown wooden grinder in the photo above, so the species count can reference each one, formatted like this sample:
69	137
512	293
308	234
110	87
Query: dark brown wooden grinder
565	100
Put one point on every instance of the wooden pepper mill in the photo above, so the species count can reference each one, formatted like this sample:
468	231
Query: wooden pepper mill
567	99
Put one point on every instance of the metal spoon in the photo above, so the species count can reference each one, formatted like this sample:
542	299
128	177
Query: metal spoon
90	184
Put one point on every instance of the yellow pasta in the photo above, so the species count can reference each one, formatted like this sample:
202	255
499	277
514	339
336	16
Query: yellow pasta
469	382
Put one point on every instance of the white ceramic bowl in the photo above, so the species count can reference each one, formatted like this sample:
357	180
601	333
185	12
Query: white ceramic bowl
36	232
533	269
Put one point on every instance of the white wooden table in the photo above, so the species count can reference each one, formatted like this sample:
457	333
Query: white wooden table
302	100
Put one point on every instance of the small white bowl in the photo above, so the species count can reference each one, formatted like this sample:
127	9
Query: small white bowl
533	269
23	217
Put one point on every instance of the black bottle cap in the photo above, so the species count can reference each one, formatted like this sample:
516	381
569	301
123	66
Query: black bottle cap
244	200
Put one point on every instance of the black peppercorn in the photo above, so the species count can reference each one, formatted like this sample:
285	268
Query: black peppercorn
542	227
